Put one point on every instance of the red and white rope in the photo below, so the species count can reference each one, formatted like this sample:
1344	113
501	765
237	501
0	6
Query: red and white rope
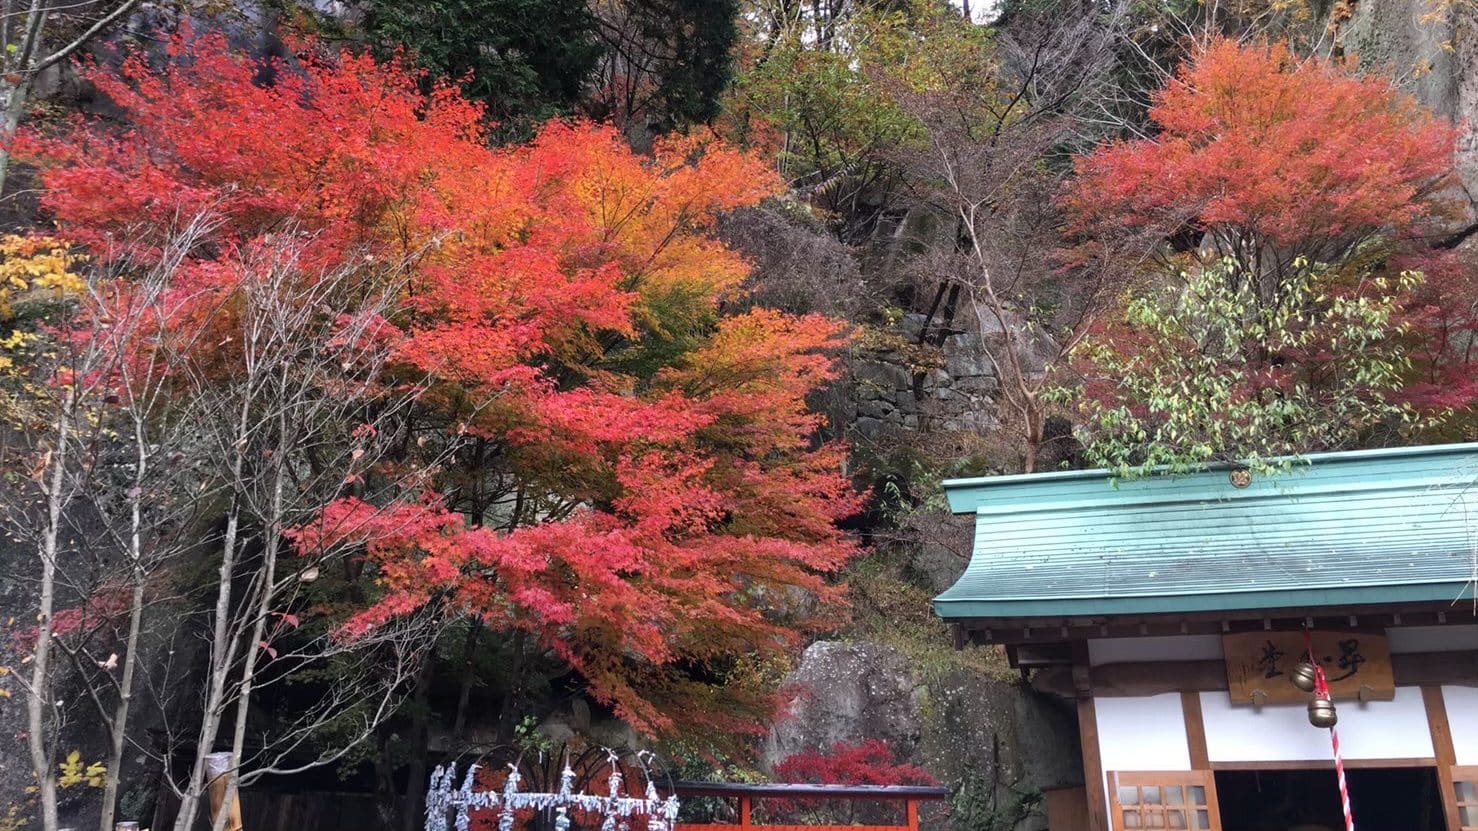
1321	690
1339	771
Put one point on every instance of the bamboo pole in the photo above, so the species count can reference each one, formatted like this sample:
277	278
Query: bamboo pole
218	770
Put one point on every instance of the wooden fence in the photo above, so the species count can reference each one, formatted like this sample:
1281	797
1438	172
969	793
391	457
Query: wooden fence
910	795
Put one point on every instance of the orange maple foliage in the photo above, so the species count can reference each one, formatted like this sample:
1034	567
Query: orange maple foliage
661	508
1270	155
1271	160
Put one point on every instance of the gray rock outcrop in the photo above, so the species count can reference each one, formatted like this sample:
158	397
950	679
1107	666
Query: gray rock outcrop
906	386
1431	50
957	723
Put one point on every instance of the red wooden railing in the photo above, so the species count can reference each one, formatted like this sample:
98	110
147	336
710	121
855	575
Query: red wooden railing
909	795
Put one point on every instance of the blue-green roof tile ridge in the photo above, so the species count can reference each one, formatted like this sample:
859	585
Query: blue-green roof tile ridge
1333	529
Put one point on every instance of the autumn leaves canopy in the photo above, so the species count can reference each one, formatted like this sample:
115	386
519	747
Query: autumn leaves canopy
600	459
1306	302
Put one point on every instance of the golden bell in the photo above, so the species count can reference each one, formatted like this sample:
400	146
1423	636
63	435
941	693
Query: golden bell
1303	676
1322	714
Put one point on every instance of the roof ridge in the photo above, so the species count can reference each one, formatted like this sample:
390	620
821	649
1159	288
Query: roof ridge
1163	473
1446	482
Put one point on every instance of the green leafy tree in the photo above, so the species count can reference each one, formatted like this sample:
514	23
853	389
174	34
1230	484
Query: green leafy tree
819	98
1201	371
701	35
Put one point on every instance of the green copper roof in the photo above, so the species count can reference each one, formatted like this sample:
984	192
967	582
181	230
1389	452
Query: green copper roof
1335	529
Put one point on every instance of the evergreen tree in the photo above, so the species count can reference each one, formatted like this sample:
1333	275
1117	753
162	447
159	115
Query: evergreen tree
526	59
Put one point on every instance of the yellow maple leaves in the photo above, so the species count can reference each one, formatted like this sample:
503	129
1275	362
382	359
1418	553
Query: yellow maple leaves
33	268
30	266
72	772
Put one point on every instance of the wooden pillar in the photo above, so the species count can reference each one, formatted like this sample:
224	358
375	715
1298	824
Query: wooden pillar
1443	751
1195	730
218	771
1092	766
1098	819
913	815
745	807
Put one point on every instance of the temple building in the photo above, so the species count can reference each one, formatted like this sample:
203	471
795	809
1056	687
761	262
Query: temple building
1179	612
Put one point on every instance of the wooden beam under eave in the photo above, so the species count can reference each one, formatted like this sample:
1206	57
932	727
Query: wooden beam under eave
1415	669
1062	630
1143	678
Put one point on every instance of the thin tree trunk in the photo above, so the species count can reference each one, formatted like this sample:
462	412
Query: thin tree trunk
15	97
121	710
119	724
38	739
947	320
222	651
17	65
271	542
1033	446
210	719
512	701
23	63
929	315
415	783
464	696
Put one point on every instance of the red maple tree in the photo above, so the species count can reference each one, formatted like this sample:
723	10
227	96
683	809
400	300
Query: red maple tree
600	458
1271	168
1271	158
1442	315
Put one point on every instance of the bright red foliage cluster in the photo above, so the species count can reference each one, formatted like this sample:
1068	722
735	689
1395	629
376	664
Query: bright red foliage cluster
103	607
1261	148
564	303
869	762
1442	313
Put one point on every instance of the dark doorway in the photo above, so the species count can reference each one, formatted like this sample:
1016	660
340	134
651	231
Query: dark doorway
1383	799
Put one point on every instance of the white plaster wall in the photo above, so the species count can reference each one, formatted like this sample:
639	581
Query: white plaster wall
1166	648
1281	733
1432	638
1142	733
1462	717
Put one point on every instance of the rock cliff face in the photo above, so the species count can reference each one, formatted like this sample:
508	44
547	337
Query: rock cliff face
903	385
958	722
1431	48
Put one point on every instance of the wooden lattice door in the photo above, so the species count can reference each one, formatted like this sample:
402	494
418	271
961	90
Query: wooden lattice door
1163	801
1465	783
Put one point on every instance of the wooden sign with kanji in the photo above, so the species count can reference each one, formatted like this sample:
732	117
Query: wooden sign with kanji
1259	666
